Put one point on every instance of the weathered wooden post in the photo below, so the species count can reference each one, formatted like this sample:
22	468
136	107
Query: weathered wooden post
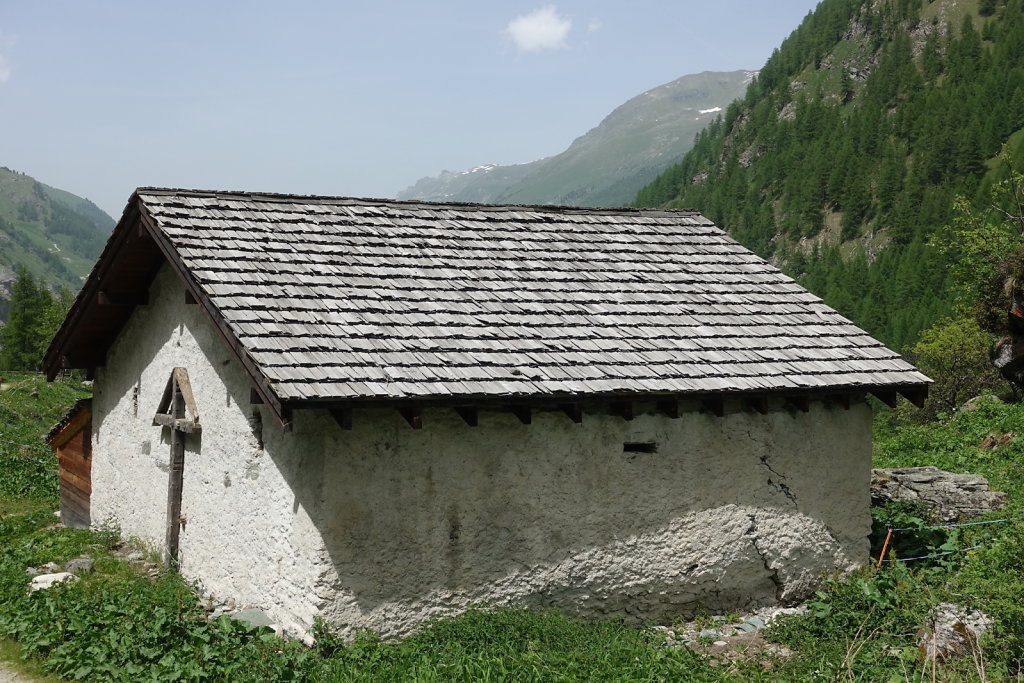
175	404
175	478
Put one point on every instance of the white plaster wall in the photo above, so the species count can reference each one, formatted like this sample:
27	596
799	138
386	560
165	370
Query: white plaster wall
246	536
730	512
385	526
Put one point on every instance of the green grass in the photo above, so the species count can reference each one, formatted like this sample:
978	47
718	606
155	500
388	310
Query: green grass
29	407
517	645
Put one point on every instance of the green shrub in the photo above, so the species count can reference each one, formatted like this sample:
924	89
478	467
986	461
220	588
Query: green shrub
955	354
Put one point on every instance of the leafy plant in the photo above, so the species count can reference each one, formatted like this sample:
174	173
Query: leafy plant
914	538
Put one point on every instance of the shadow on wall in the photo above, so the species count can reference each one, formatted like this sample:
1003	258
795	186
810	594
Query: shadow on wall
419	523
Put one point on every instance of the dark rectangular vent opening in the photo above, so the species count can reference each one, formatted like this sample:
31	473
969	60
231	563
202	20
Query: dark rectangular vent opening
639	447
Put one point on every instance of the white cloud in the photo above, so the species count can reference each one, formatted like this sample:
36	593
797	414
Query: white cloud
542	29
594	25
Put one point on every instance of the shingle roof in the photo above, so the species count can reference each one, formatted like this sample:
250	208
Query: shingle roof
339	299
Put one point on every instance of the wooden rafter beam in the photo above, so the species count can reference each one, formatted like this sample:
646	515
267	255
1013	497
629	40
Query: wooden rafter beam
623	409
841	400
574	411
917	396
139	298
801	403
84	360
889	398
469	414
715	406
524	413
413	415
669	407
342	415
758	404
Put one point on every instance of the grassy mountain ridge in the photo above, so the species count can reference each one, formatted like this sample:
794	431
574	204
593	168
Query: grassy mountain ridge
608	164
843	160
54	234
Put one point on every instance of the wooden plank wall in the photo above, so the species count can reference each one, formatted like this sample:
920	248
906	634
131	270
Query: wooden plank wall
75	458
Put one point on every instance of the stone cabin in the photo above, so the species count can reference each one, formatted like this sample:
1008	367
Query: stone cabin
377	412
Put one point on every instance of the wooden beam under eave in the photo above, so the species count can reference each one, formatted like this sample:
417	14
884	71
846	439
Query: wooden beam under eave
758	404
801	403
915	396
413	415
841	400
715	406
343	416
105	298
574	411
623	409
469	415
254	397
523	413
669	407
889	398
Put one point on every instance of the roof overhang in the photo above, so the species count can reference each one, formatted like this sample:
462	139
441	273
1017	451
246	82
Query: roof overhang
118	283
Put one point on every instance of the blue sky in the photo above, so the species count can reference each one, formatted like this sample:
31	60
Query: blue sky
345	98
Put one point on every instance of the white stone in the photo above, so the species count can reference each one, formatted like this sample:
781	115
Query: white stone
44	581
952	630
385	527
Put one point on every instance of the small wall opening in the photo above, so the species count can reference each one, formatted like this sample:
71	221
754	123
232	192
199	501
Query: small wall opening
640	447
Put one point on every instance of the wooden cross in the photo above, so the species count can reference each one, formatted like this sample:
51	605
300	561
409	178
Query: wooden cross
176	402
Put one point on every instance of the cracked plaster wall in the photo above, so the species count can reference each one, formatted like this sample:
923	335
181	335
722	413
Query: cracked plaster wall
384	526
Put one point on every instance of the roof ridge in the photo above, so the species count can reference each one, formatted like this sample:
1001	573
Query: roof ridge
410	203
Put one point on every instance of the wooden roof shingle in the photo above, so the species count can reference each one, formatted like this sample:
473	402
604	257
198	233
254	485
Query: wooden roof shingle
340	299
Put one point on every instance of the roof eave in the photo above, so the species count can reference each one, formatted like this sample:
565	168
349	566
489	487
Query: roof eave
136	247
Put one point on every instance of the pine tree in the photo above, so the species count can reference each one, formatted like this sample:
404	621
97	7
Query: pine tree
20	343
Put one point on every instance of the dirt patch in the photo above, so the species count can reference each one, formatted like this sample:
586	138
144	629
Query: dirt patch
8	676
742	647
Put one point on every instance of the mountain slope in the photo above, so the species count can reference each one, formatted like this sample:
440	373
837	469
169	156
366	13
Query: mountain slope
607	165
53	233
845	156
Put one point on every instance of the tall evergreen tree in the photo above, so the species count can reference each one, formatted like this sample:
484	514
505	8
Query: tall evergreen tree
21	343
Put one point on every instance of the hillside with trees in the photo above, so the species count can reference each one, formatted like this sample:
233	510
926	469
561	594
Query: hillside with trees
53	235
870	135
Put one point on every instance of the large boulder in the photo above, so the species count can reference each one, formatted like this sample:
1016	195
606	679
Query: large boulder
950	497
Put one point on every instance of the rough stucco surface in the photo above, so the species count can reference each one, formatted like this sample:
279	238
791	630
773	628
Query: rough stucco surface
384	526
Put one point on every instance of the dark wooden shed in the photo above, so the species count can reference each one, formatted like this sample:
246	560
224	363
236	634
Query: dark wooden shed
71	438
